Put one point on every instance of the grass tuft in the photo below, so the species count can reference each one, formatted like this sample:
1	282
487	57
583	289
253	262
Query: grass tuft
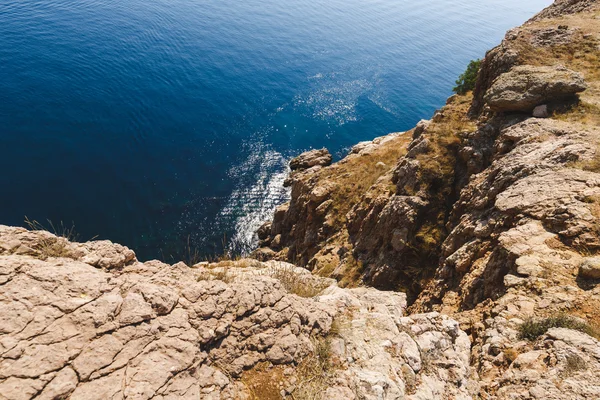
298	284
53	246
532	329
314	372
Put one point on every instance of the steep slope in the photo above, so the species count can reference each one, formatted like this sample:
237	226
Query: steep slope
393	230
494	217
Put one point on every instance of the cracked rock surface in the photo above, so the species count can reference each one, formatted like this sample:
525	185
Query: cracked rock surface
132	330
145	330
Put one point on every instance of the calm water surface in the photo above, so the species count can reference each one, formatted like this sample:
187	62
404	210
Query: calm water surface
156	122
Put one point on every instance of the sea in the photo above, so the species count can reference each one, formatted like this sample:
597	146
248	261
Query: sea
167	125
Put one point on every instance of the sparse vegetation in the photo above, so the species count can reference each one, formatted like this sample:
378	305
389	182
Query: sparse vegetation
532	329
53	246
510	355
582	112
356	175
592	165
303	285
192	255
217	273
314	372
263	381
353	270
312	376
466	81
60	230
581	54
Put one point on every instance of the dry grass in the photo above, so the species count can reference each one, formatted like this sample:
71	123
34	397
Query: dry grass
312	376
223	274
592	165
356	175
436	177
581	55
303	285
353	271
436	174
263	381
53	246
314	372
584	113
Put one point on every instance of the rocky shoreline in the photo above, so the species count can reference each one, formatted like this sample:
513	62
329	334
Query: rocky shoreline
458	260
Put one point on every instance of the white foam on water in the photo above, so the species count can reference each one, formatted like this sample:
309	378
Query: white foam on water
249	206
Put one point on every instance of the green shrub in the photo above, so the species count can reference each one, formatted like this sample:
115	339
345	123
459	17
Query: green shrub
466	81
531	329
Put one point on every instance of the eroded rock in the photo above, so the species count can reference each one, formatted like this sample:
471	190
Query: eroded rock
310	159
524	87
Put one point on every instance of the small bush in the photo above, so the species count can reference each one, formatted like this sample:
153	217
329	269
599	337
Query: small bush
510	355
466	81
532	329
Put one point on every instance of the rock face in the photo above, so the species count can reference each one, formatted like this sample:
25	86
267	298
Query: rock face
148	330
492	219
525	87
310	159
566	7
70	328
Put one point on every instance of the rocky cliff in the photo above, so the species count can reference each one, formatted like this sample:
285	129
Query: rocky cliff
457	260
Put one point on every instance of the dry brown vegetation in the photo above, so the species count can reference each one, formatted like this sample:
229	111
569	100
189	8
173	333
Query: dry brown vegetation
582	54
311	376
592	165
303	285
436	175
263	381
53	246
353	270
314	372
355	175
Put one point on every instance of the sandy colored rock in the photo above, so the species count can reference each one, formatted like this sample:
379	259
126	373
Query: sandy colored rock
590	268
524	87
310	159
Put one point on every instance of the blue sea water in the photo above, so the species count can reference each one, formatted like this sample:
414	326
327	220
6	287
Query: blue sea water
167	124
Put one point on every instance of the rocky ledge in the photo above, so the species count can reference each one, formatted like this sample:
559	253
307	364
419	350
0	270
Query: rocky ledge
102	325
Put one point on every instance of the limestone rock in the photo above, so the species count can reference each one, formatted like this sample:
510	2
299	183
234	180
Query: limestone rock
524	87
71	329
387	356
590	268
310	159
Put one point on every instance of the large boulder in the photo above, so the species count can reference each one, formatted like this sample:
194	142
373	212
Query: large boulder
525	87
590	268
320	157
